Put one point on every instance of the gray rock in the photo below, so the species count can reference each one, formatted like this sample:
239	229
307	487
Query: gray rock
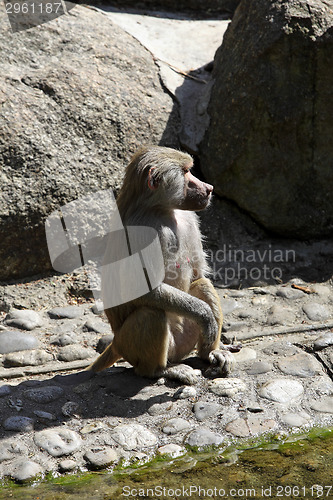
104	342
44	394
27	320
133	436
228	305
227	386
96	325
19	424
244	355
175	425
11	448
290	293
171	450
316	312
300	365
243	427
202	438
323	341
64	339
324	405
100	458
74	352
5	390
58	442
70	312
67	465
44	416
71	408
12	341
259	367
27	358
279	315
282	349
204	410
23	470
296	419
281	390
41	169
185	392
160	408
253	101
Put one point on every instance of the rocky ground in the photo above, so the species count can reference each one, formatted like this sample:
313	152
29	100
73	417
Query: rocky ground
56	417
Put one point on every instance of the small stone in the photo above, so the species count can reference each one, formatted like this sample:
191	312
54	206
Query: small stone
58	442
296	419
244	355
300	365
281	390
75	352
160	408
98	307
133	436
185	392
92	427
96	325
67	465
13	340
44	415
35	357
322	385
27	320
290	293
104	342
171	450
175	425
11	448
23	470
228	305
70	312
279	315
259	367
323	341
100	458
282	349
316	312
203	437
226	386
64	339
232	326
324	405
71	408
202	411
45	394
243	427
19	424
5	390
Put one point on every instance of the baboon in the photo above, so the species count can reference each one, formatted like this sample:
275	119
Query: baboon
157	330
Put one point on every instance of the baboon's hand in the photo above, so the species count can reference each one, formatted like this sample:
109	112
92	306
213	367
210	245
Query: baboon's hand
222	363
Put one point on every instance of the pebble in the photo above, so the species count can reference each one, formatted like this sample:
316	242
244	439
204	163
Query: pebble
244	355
316	311
300	365
58	442
71	408
44	415
67	465
282	349
23	470
259	367
281	390
186	392
70	312
133	436
36	357
243	427
160	408
171	450
296	419
228	305
279	315
100	458
27	320
226	386
104	342
45	394
175	425
5	390
201	438
13	340
10	449
19	424
323	341
64	339
290	293
75	352
324	405
96	325
202	411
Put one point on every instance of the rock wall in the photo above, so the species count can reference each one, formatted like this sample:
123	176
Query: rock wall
269	145
78	96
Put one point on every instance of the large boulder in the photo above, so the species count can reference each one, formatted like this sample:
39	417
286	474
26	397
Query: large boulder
269	145
78	96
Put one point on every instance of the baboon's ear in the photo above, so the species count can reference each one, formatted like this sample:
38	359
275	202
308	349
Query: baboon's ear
152	182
